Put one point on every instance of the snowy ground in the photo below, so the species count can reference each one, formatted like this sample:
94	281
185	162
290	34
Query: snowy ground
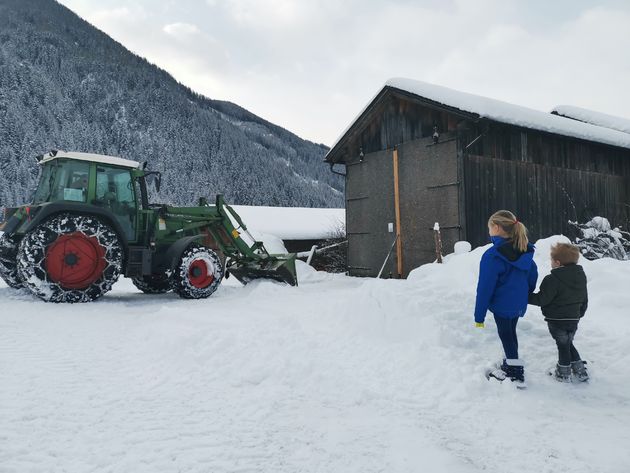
338	375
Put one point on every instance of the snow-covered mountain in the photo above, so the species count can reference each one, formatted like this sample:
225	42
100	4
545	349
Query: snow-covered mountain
66	85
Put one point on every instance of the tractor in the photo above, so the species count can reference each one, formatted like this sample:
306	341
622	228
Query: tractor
90	221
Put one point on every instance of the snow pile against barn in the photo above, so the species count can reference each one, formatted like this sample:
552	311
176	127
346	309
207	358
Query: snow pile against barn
338	374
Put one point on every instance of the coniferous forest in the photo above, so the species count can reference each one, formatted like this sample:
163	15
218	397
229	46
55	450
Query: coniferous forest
66	85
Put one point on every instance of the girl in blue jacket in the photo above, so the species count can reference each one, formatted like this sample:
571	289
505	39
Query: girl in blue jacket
507	275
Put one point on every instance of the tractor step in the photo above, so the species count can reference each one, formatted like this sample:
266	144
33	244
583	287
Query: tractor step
138	262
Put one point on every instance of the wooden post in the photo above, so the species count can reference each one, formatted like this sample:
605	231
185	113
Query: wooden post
399	260
438	242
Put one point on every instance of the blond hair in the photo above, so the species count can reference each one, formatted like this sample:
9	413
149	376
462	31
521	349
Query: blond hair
515	230
565	253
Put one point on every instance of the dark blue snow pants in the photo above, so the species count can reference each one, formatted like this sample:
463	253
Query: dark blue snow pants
507	333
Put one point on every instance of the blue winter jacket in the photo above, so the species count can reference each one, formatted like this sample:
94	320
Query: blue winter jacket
506	278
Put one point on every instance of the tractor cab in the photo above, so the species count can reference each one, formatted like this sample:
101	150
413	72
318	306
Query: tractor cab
108	182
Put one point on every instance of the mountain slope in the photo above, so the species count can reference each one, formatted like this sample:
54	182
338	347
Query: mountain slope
66	85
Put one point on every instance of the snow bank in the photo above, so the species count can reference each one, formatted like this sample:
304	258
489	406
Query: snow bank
594	118
293	223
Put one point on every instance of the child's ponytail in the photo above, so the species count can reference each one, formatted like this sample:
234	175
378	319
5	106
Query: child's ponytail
516	231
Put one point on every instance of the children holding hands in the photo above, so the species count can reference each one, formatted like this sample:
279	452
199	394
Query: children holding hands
507	280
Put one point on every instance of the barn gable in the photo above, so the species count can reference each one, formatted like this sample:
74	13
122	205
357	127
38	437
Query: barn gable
474	107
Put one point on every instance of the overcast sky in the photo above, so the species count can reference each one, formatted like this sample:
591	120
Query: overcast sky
310	66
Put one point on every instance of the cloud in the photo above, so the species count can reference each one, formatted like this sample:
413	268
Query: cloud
181	29
262	15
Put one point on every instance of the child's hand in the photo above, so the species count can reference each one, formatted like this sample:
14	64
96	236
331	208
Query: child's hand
480	324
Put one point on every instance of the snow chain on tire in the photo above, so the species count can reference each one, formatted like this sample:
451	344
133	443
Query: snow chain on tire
48	258
8	263
198	274
153	284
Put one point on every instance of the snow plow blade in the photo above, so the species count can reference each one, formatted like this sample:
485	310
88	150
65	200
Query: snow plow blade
277	267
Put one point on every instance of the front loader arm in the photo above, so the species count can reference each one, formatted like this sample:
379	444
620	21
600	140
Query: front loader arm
253	262
245	261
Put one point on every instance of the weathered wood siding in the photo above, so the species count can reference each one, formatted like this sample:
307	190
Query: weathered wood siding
396	120
545	179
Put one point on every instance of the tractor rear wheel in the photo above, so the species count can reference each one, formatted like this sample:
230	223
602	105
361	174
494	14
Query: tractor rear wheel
153	284
70	258
198	274
8	264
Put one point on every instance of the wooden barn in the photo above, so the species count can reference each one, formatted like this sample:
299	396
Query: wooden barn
420	154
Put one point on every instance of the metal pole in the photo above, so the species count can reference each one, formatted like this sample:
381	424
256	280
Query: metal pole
387	257
310	256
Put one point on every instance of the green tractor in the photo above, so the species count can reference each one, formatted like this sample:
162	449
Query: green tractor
90	221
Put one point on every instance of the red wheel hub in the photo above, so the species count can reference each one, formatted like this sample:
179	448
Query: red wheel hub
75	260
198	274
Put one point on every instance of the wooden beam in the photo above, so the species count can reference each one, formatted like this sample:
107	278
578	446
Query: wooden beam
399	260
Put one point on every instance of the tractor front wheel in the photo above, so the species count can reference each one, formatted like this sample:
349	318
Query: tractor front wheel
153	284
8	264
70	258
198	274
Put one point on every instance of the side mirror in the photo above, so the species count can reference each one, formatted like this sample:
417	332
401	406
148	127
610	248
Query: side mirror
155	178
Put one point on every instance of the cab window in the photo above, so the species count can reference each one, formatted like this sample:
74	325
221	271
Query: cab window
63	180
115	190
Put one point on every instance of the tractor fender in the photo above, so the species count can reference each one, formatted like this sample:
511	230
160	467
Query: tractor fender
11	225
53	208
175	251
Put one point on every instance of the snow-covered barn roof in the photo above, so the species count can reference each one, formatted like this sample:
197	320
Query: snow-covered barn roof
293	223
594	118
97	158
497	110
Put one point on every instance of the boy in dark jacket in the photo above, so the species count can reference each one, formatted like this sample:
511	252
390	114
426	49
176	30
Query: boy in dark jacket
563	299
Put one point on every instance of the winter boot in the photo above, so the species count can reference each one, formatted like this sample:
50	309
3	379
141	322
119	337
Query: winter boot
562	373
497	371
579	370
515	370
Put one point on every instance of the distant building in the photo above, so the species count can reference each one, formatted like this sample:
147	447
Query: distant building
455	158
299	228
